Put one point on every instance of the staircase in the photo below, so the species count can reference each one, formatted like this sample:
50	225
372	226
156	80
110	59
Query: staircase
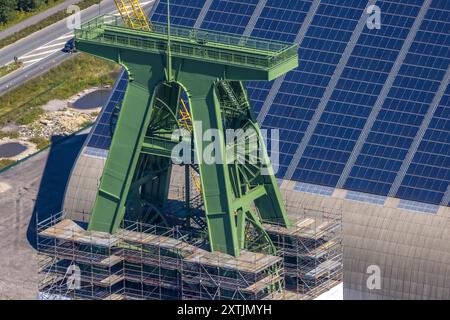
200	222
232	105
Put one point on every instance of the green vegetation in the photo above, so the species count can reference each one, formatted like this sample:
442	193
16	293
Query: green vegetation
23	104
8	10
40	25
86	123
40	142
11	135
19	10
6	162
9	68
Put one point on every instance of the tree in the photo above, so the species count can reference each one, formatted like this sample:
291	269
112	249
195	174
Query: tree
29	5
7	10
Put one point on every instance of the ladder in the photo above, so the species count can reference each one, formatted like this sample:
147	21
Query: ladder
186	122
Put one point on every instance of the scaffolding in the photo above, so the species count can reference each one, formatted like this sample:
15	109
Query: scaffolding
152	262
143	261
311	249
147	262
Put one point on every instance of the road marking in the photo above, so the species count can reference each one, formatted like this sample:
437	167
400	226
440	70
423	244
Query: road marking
43	51
38	54
29	62
54	45
66	36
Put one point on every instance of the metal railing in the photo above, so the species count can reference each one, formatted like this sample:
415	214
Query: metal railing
189	42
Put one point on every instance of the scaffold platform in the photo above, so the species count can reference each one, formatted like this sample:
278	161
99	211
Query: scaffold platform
152	263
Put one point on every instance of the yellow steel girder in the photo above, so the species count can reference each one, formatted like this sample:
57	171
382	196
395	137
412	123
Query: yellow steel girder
186	122
133	15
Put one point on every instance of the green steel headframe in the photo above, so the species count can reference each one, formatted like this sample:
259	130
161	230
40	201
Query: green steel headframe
210	68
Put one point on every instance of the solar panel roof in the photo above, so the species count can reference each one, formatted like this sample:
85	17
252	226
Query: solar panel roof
367	109
100	138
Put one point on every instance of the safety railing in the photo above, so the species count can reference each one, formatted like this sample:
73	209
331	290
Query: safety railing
189	42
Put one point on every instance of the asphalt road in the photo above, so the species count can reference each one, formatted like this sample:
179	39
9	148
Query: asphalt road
54	31
15	79
35	19
37	40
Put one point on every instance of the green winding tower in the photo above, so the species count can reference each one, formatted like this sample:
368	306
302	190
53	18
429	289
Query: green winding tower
209	67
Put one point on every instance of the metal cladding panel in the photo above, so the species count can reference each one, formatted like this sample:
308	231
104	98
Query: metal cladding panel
410	250
82	188
84	180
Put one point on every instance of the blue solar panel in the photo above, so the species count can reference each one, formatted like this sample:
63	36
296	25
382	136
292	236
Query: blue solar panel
279	20
182	12
300	93
101	136
350	104
428	175
367	109
400	120
229	15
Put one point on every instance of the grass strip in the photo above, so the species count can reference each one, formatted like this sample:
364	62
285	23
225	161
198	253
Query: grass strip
6	162
9	68
23	104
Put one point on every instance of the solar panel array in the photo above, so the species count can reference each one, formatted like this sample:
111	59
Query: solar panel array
427	69
182	13
299	95
101	136
367	109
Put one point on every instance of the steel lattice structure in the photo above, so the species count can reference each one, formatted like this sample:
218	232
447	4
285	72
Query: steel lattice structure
209	68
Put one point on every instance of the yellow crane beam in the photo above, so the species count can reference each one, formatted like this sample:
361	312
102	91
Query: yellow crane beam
133	15
186	122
